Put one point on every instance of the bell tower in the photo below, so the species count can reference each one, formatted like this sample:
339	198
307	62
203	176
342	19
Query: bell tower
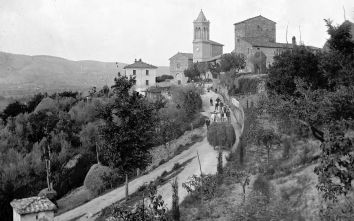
201	49
201	27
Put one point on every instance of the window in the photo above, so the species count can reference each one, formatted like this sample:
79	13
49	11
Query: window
134	72
147	72
179	82
147	82
178	65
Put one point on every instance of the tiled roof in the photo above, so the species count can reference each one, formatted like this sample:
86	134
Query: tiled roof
188	55
201	17
215	43
259	16
140	64
267	44
32	205
209	41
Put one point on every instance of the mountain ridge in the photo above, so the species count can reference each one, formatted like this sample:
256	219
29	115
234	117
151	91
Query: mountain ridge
29	74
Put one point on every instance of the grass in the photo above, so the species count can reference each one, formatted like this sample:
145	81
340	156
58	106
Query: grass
76	198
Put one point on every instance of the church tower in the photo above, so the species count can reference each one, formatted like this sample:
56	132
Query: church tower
201	48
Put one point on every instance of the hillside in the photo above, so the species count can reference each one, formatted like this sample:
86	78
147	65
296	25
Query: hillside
23	75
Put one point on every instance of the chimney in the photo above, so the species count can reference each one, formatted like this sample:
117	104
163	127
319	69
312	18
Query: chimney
294	41
135	60
140	59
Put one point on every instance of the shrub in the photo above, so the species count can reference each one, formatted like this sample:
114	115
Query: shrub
162	162
176	166
262	185
94	180
221	134
163	78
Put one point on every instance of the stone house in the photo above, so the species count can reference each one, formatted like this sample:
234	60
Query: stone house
178	63
33	209
256	39
145	75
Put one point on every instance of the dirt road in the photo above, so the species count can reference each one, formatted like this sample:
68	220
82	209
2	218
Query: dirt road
208	159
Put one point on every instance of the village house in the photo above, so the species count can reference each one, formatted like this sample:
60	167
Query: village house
33	209
255	38
204	50
145	75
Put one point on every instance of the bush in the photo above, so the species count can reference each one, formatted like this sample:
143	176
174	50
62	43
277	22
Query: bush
94	180
221	134
262	185
163	78
176	166
162	162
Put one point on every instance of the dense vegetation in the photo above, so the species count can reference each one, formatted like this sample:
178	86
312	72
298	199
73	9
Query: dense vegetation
113	125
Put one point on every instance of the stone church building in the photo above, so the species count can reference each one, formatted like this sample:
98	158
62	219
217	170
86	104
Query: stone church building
256	39
204	50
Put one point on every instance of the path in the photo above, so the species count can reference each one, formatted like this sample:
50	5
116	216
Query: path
208	159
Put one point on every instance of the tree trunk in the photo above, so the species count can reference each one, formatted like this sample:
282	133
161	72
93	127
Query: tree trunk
126	188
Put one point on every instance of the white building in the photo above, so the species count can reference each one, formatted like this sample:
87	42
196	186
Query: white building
33	209
145	74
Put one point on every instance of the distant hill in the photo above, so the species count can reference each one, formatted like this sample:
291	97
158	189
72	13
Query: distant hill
24	75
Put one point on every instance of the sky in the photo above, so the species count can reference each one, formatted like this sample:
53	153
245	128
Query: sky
153	30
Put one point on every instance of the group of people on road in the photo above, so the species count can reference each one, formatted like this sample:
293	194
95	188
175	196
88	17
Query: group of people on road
221	113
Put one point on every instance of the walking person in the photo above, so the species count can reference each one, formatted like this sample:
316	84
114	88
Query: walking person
228	112
219	117
213	117
222	116
211	101
216	106
207	123
221	105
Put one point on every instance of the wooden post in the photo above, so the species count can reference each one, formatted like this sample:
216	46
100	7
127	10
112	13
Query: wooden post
126	188
97	153
200	166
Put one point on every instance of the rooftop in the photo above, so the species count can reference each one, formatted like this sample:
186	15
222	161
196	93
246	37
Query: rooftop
140	64
261	43
249	19
201	17
32	205
209	41
188	55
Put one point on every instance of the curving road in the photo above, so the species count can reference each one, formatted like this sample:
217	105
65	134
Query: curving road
208	159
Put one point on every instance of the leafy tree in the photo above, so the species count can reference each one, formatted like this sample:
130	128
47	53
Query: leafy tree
268	138
188	98
290	65
232	61
192	72
129	127
13	109
221	134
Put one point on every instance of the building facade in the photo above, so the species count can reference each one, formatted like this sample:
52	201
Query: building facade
255	38
204	50
144	74
178	63
33	209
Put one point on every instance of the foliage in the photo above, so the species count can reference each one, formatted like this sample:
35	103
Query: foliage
267	137
192	72
221	134
94	180
188	98
290	65
232	61
155	210
316	91
201	187
13	109
129	127
175	201
163	78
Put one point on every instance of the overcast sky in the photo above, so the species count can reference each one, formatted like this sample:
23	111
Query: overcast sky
154	30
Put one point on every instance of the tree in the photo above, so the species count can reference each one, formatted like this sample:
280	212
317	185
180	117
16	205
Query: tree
232	61
13	109
188	98
129	127
221	134
268	138
175	201
290	65
192	72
